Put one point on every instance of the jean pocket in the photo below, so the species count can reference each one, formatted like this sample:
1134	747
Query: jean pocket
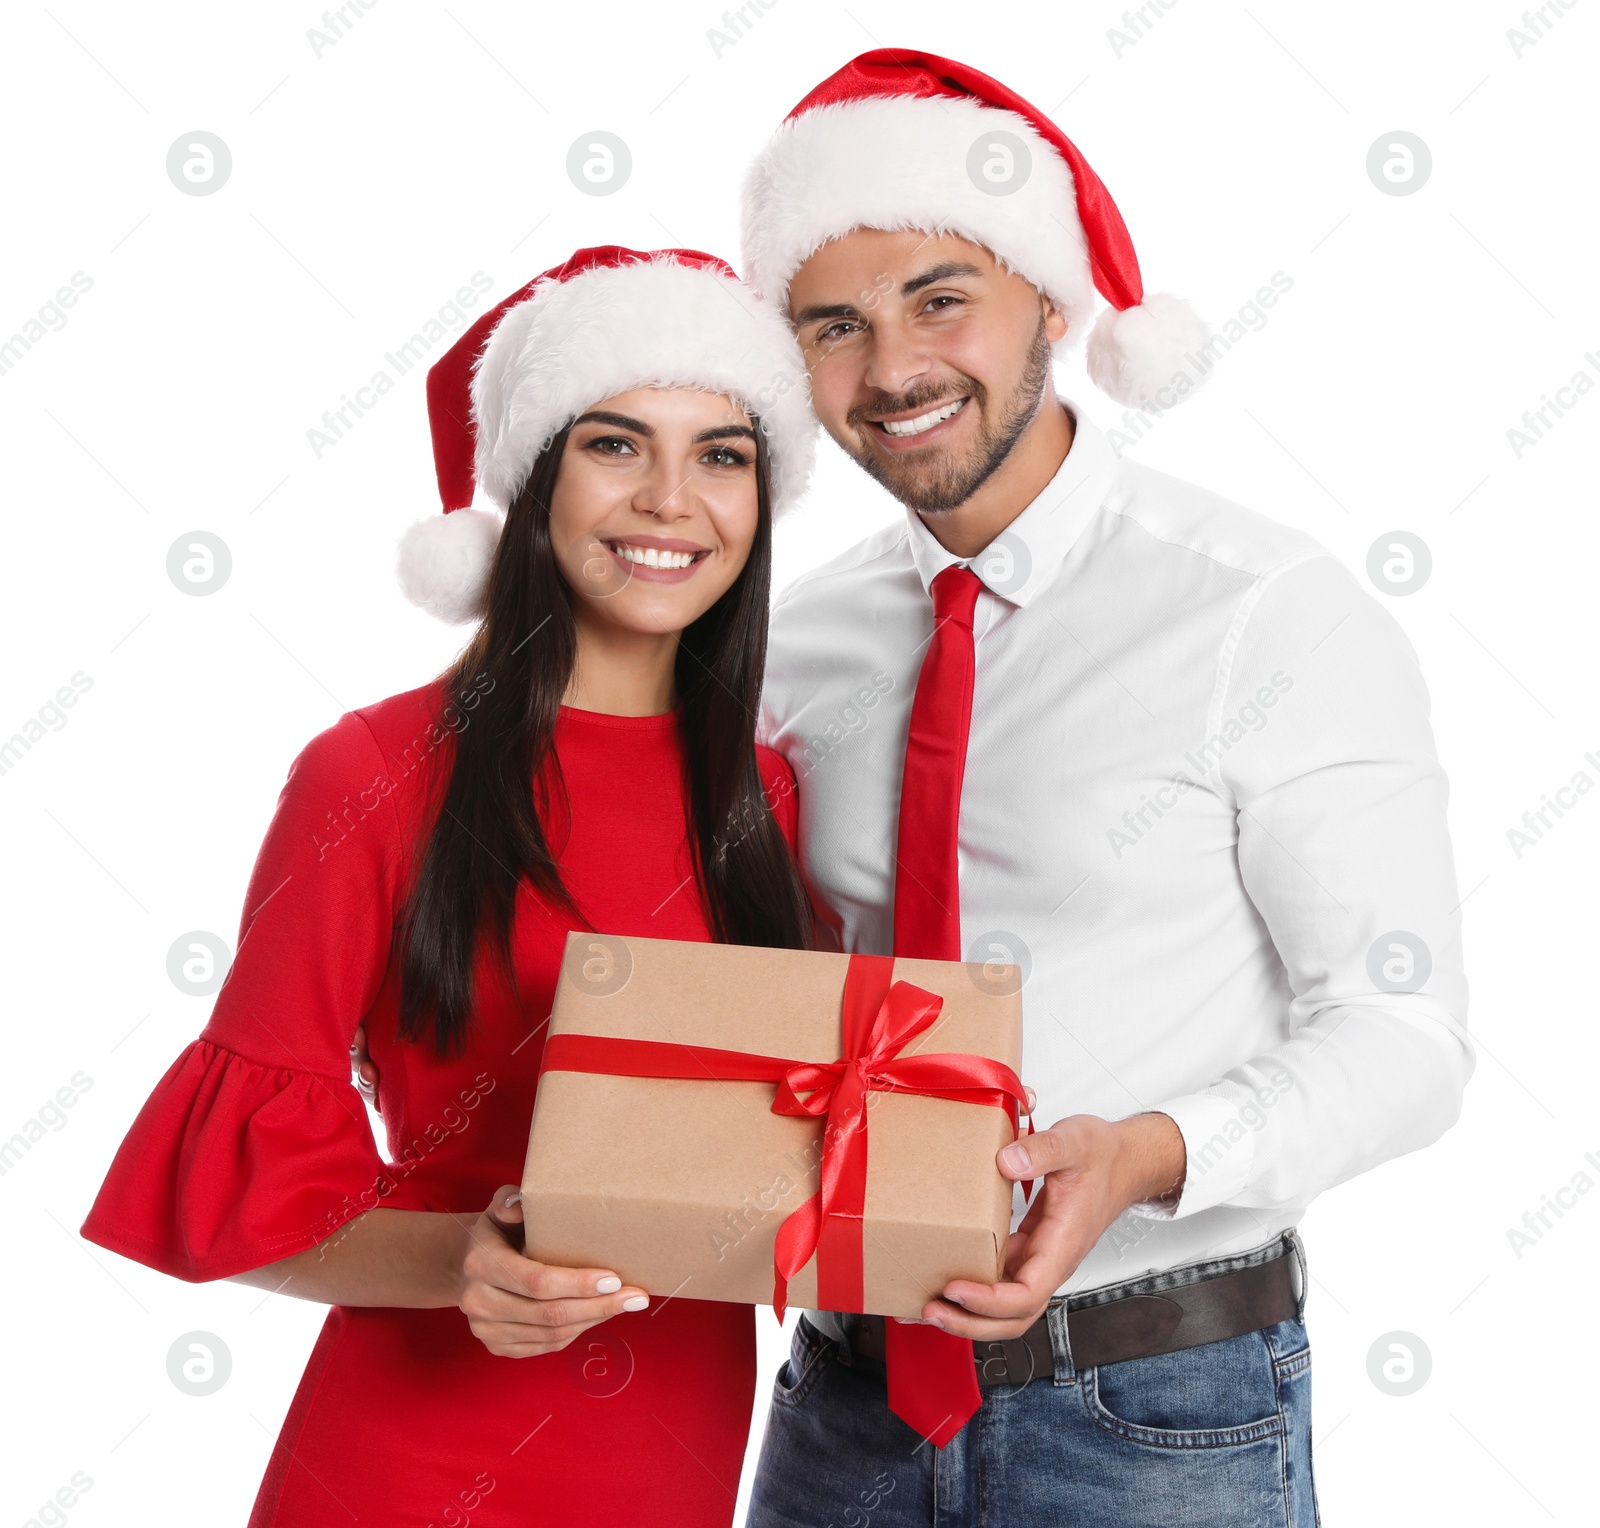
800	1371
1216	1395
1291	1347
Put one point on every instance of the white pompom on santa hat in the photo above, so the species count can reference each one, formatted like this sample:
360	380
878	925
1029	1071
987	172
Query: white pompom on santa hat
604	322
900	139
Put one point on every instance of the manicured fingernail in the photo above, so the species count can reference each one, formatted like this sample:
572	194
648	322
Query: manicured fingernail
1016	1157
935	1321
514	1197
609	1285
636	1302
955	1299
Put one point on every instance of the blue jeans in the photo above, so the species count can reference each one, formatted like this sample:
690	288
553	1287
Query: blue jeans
1215	1436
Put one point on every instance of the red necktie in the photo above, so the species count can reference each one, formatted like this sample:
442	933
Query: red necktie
933	1381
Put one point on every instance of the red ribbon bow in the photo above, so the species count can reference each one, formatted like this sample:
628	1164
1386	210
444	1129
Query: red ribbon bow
880	1019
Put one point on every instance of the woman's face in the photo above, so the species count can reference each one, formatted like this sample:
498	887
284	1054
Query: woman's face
654	510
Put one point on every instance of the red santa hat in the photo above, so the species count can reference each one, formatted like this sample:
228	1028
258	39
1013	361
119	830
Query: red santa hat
901	139
606	321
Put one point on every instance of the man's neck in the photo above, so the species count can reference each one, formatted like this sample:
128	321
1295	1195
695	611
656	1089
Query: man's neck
1034	460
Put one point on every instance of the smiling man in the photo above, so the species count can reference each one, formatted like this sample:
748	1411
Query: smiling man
1160	753
939	440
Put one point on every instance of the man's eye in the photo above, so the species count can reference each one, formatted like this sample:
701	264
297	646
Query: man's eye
836	331
944	297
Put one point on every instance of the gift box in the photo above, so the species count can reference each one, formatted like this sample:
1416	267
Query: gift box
722	1122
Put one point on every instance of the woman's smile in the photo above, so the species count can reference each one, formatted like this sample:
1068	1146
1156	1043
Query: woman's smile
656	559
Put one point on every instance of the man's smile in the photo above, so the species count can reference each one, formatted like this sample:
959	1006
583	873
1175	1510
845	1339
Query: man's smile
904	429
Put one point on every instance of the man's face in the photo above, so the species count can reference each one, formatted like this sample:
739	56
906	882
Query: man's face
928	359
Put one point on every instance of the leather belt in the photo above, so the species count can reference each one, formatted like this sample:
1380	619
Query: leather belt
1130	1326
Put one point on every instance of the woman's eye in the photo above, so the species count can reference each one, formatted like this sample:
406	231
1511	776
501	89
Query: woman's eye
726	456
604	444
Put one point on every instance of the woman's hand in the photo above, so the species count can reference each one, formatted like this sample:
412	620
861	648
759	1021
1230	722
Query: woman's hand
363	1070
519	1308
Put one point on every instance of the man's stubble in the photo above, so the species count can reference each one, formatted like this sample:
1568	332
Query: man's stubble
949	486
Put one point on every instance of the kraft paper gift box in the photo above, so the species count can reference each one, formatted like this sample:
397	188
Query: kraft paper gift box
680	1183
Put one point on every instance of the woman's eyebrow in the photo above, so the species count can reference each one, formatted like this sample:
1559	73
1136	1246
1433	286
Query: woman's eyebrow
724	432
620	421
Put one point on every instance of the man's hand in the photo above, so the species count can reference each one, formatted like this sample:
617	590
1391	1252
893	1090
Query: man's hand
1090	1171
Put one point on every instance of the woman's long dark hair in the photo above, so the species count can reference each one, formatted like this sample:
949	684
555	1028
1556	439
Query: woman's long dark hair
488	835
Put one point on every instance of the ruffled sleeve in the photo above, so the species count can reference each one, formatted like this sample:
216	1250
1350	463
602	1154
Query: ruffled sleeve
255	1145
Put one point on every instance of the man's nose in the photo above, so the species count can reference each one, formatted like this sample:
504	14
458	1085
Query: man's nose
897	359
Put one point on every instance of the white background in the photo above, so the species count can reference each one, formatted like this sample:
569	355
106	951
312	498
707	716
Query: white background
372	181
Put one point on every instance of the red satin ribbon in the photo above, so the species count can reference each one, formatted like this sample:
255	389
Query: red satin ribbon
880	1018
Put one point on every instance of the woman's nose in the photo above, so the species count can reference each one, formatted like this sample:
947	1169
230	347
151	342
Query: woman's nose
666	493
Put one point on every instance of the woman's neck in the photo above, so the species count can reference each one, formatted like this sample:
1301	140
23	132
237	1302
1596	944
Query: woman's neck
623	673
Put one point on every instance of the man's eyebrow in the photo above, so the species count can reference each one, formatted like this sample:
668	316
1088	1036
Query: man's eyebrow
826	310
621	421
936	273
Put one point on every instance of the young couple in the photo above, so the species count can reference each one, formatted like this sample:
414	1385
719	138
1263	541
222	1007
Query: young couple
1160	752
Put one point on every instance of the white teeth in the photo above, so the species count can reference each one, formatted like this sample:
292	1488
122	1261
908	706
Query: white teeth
652	557
923	421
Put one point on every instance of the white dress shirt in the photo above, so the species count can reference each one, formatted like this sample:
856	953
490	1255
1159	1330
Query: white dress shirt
1202	809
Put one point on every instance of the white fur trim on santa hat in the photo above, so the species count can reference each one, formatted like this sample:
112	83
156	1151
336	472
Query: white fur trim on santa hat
897	162
652	323
443	563
902	162
1148	353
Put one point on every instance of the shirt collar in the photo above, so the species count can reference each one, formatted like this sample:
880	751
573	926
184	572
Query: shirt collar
1026	556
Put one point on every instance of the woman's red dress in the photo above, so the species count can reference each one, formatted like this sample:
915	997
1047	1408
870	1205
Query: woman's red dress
255	1146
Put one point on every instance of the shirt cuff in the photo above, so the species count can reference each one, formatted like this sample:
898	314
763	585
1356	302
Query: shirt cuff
1220	1149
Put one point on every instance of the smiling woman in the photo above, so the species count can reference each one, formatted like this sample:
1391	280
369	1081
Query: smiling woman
652	461
589	763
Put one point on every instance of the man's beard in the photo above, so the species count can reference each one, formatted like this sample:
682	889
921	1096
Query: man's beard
935	488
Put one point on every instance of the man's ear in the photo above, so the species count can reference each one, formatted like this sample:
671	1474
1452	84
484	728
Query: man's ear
1055	323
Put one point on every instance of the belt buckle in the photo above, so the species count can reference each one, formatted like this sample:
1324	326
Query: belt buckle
1008	1362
